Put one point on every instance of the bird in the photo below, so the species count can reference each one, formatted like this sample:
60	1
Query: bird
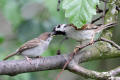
88	32
34	47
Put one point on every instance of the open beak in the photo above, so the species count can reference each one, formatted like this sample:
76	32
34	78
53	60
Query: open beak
59	33
54	32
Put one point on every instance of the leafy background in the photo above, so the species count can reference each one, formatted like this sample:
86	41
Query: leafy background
80	12
22	20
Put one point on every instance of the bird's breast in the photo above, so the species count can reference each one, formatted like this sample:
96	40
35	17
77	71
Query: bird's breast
81	35
36	51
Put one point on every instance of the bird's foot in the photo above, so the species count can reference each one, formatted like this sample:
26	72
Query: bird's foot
76	49
28	59
92	41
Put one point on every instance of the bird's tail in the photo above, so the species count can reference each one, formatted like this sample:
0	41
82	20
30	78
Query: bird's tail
106	26
10	55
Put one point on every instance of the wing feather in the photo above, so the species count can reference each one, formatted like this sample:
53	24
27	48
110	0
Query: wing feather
28	45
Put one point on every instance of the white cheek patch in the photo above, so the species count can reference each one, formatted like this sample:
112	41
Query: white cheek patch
61	28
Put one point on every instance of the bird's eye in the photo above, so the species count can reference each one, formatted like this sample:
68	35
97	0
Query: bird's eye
58	26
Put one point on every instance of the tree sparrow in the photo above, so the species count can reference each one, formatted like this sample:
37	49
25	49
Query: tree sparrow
34	47
87	33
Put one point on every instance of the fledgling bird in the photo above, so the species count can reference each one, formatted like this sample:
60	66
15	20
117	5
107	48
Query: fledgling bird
87	33
34	47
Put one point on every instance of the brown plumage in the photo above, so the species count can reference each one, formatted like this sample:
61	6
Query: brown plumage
84	27
30	44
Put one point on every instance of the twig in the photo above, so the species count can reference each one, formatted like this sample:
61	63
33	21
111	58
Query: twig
97	19
100	39
58	5
104	12
102	16
65	65
98	10
111	42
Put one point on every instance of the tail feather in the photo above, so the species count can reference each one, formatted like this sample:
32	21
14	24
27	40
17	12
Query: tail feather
10	55
102	27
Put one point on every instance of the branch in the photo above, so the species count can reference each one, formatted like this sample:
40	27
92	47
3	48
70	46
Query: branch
111	42
115	71
75	68
102	51
22	66
102	16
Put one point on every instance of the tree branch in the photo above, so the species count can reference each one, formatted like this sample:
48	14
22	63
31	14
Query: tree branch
100	50
75	68
22	66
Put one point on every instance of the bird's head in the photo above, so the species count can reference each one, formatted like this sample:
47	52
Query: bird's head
47	36
62	29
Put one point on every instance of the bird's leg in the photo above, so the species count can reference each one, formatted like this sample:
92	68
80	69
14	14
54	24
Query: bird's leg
76	49
92	40
28	59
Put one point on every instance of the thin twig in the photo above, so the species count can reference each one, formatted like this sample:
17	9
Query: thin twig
102	16
97	19
111	42
98	10
58	5
104	12
100	39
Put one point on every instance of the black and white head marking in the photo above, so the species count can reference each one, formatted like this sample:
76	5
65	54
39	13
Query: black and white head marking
60	29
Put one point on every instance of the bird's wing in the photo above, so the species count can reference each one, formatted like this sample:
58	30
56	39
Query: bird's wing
86	27
28	45
90	26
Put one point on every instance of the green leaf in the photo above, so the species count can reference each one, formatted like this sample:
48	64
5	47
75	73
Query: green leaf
79	12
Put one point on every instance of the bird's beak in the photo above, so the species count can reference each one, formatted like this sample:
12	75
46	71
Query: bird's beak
53	34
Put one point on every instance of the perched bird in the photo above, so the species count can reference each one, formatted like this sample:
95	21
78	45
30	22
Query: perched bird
87	33
34	47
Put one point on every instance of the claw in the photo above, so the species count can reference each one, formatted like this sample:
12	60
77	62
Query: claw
28	59
92	41
76	49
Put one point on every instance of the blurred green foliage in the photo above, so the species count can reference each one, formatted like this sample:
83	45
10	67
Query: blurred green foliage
30	18
1	39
